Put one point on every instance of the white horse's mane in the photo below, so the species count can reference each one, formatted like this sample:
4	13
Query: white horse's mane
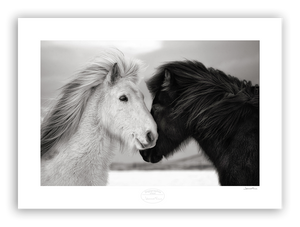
63	119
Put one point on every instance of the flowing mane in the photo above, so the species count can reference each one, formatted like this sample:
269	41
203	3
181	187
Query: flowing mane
64	117
213	101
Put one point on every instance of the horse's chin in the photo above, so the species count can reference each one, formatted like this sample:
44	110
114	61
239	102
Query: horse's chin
148	157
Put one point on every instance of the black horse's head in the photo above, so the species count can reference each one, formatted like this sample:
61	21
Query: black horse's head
171	129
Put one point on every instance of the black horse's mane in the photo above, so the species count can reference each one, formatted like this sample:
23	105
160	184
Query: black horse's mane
211	100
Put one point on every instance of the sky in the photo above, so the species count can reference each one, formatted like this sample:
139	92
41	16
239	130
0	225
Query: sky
60	60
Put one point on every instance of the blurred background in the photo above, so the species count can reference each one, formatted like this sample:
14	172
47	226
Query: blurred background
60	60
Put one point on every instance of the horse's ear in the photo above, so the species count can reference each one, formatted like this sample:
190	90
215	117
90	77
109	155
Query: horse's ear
167	81
113	75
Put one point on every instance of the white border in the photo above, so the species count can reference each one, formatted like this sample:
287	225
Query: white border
31	31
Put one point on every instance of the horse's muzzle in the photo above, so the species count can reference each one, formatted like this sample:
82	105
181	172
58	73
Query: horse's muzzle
148	141
148	156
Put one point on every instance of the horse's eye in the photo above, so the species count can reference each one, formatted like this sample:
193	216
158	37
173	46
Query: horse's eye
123	98
156	107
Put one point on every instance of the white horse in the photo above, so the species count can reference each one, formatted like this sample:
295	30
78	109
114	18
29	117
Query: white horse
99	113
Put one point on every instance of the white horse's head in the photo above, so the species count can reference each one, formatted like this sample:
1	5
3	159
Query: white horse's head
124	112
113	80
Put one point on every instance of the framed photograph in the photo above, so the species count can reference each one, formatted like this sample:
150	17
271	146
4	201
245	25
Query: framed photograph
54	52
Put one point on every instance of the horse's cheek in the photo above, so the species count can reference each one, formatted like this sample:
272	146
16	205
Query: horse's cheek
114	110
171	132
122	117
163	125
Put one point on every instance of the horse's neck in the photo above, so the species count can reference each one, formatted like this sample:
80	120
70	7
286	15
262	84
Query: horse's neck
220	149
85	158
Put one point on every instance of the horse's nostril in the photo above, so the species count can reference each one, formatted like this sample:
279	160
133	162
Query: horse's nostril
150	137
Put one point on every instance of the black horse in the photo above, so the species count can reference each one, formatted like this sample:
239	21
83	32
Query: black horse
219	111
